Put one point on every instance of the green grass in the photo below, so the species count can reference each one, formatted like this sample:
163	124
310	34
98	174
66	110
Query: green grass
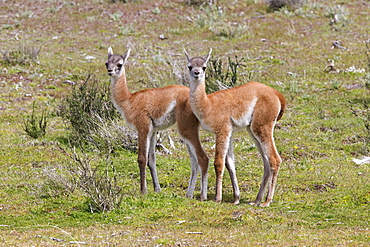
322	196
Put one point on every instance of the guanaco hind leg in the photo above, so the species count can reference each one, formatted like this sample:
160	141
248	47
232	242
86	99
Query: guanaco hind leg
194	171
271	162
230	165
152	162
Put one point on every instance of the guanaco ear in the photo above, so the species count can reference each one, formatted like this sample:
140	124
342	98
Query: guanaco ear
206	57
110	51
187	55
126	55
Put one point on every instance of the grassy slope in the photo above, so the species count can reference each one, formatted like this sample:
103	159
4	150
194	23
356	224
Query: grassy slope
321	199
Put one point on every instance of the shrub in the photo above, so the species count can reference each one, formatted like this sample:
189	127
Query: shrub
89	112
99	182
97	126
220	76
96	178
86	100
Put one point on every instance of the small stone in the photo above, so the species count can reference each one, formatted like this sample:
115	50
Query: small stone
162	37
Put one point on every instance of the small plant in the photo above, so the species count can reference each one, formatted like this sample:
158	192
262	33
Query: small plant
112	134
10	26
116	16
338	16
367	54
290	4
25	54
124	1
362	111
156	11
211	16
229	31
200	2
35	126
219	77
57	181
126	30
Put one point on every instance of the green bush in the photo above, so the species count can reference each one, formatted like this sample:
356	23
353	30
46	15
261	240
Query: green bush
86	100
222	76
89	112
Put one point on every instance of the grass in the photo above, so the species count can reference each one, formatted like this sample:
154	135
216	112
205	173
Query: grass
322	196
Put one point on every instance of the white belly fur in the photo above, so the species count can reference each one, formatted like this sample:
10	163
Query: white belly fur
167	119
246	118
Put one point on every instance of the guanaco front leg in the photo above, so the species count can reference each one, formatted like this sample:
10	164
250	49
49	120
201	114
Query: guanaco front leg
152	162
198	157
222	146
143	141
146	157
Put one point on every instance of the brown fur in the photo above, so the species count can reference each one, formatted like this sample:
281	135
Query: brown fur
151	110
253	106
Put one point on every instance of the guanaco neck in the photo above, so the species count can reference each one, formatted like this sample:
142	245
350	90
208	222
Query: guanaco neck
198	98
119	89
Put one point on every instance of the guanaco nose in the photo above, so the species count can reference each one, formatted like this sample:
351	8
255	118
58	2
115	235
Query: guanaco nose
196	72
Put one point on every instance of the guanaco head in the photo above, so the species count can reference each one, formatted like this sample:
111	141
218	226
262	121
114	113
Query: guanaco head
197	66
115	62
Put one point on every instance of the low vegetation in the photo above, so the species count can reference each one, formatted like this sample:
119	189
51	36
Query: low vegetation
69	173
24	54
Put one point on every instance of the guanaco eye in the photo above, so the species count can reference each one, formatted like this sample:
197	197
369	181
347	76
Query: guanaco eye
190	68
204	68
119	65
106	64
